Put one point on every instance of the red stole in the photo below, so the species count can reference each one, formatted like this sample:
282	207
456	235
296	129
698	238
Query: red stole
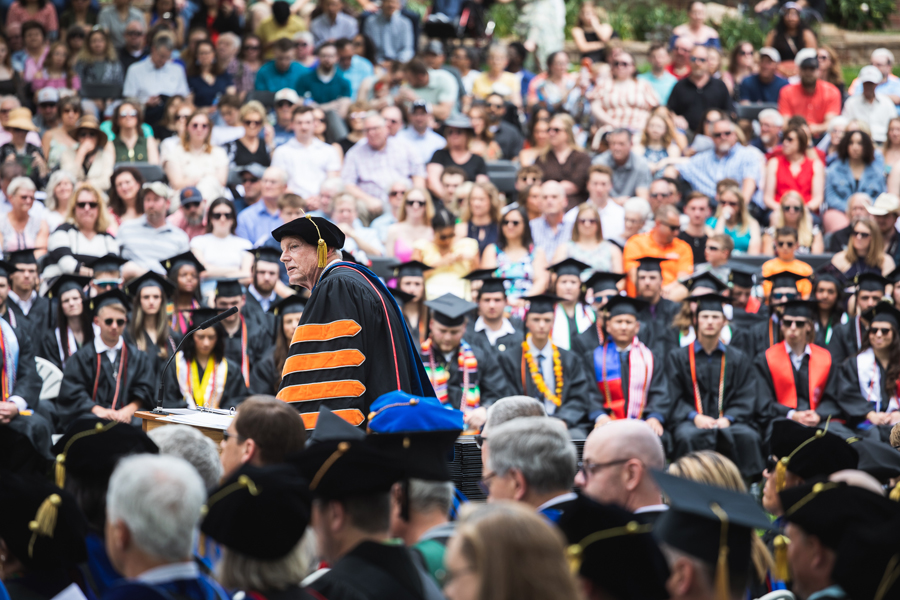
753	305
783	374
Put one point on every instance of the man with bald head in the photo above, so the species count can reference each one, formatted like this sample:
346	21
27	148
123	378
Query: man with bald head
616	465
550	230
371	166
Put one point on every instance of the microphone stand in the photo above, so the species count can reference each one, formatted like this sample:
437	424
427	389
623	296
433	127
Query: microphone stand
161	389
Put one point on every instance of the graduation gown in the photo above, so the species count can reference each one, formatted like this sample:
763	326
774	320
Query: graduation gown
740	442
40	316
264	320
263	378
255	348
350	347
234	392
501	343
50	348
152	350
76	394
583	345
846	340
827	337
491	382
578	397
854	406
762	335
658	403
373	571
660	314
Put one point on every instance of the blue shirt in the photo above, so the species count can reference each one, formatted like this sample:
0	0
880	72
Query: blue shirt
323	92
754	90
891	87
208	95
661	85
282	136
255	221
706	169
269	79
360	68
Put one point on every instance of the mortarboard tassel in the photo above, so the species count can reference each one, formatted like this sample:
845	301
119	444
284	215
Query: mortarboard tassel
60	470
781	467
895	493
891	573
44	521
321	248
722	582
782	572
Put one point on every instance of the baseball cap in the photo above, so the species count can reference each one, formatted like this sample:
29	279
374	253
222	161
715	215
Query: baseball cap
158	188
870	74
790	6
287	94
435	47
771	53
255	169
807	57
885	203
47	94
421	104
191	195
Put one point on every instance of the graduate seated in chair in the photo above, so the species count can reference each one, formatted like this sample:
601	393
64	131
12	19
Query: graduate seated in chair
868	386
109	377
828	314
798	377
73	320
542	370
464	375
630	378
849	336
23	284
201	374
682	332
714	391
150	329
105	273
600	287
659	312
492	329
572	315
245	338
766	334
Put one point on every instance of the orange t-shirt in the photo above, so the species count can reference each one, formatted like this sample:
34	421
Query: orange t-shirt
776	265
679	252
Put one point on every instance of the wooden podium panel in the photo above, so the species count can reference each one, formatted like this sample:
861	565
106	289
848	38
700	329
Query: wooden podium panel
150	421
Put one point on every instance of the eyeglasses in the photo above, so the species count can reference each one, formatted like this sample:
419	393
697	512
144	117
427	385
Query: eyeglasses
221	215
128	113
252	123
882	330
419	203
254	47
588	221
661	195
479	439
785	244
495	105
283	103
862	234
118	322
70	109
484	483
86	205
358	115
791	208
199	125
508	222
798	323
227	435
621	64
393	193
722	134
587	469
553	130
713	248
697	59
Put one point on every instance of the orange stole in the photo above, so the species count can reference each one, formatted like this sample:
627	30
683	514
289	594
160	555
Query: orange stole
783	374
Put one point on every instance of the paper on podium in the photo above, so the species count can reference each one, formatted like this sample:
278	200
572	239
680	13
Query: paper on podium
196	418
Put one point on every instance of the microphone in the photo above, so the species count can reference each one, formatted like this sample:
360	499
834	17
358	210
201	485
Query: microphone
161	388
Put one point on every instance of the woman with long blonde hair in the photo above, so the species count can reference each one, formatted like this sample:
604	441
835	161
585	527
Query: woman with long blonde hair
793	212
83	235
658	143
733	219
865	252
587	243
479	216
413	224
196	161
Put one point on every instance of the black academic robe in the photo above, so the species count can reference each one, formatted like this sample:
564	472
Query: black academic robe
491	382
234	394
846	340
584	343
40	316
763	335
661	313
827	337
578	396
257	342
854	406
76	394
740	442
263	378
265	320
658	403
657	332
352	324
501	343
373	571
153	348
50	348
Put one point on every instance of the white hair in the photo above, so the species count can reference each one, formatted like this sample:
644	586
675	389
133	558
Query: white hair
771	115
159	499
638	205
20	183
235	39
512	407
427	496
333	184
538	447
277	172
191	445
883	53
14	99
57	177
836	122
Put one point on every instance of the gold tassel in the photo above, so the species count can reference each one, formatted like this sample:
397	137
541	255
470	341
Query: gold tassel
782	573
45	521
780	472
201	545
60	470
321	249
722	582
573	557
895	493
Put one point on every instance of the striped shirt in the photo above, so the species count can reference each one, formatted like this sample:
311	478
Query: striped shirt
147	245
627	103
373	171
546	238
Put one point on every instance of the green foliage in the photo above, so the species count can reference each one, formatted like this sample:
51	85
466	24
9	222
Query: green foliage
504	17
645	20
860	15
733	30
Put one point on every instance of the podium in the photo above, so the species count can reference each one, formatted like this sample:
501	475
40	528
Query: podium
211	425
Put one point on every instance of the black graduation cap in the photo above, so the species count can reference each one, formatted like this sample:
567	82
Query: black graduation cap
878	459
828	509
884	312
42	525
542	303
624	305
267	254
6	268
450	310
21	257
709	522
705	280
107	263
826	275
712	302
490	283
614	550
650	263
204	313
339	462
784	279
866	565
313	230
66	283
894	276
569	266
400	296
808	452
260	512
295	303
173	264
412	268
601	281
229	288
741	278
871	282
133	287
91	447
803	309
113	296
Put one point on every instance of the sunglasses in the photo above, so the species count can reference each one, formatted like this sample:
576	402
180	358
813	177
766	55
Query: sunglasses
507	222
746	53
882	330
216	216
199	125
452	131
713	248
84	134
862	234
798	323
791	208
621	64
695	59
47	105
118	322
252	123
283	103
247	180
789	296
670	226
419	203
86	205
785	244
358	115
495	105
70	109
251	47
722	134
588	221
128	113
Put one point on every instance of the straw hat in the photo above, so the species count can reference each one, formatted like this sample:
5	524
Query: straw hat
20	118
90	123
